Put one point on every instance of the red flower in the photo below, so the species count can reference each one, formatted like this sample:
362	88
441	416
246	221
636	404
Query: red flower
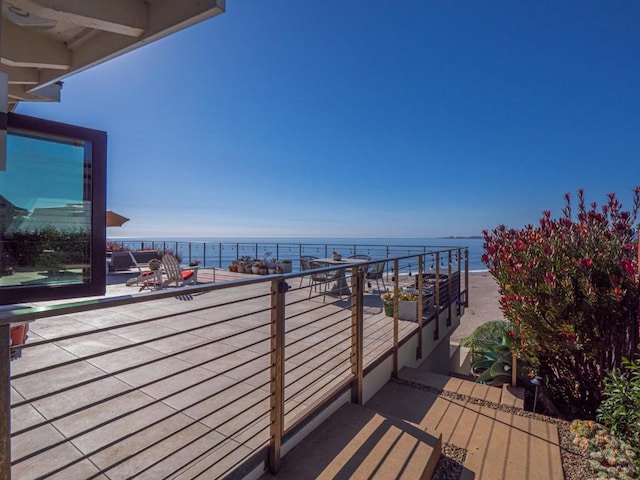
586	262
627	266
549	277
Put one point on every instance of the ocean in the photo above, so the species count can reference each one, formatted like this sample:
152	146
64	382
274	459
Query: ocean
219	252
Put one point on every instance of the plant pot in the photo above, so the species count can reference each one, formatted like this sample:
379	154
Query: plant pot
388	309
286	267
240	268
17	334
255	270
408	310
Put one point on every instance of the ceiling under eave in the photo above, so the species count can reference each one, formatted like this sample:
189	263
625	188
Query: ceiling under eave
45	41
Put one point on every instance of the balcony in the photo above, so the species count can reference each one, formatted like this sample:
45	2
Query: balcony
216	380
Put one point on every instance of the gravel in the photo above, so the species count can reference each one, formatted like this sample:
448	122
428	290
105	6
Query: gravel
450	463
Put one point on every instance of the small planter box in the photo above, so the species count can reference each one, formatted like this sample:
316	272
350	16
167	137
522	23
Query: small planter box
408	310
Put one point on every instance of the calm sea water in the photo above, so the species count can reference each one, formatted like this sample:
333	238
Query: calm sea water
221	251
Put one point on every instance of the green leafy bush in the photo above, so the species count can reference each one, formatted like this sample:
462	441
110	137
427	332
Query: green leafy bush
569	286
620	409
493	330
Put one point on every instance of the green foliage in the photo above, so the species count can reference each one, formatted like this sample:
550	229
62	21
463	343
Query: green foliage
569	287
611	457
48	247
620	409
492	362
493	330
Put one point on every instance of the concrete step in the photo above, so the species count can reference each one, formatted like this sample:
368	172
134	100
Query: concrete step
451	384
512	396
357	442
498	444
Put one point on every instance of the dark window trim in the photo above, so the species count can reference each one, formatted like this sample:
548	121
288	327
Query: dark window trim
97	285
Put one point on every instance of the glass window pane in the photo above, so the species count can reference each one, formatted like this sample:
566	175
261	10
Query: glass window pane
45	212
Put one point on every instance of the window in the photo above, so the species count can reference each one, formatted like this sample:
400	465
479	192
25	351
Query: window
52	211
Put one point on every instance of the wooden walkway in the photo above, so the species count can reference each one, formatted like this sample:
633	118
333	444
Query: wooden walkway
420	412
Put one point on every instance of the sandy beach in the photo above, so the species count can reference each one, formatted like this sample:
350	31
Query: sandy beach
484	304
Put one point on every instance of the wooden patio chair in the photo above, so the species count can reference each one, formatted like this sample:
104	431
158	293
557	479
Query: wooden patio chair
176	274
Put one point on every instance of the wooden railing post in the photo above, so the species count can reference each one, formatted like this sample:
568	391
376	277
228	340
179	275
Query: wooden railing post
436	331
449	290
466	277
5	402
278	298
357	335
396	293
419	284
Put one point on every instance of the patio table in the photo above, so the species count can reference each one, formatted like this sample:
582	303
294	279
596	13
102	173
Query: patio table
340	286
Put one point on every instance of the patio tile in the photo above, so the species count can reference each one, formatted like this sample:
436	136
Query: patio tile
58	326
57	378
148	332
50	460
218	463
125	359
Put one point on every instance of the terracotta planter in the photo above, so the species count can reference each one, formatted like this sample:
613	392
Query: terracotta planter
17	334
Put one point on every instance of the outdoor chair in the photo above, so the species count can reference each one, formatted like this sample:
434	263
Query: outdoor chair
320	280
177	274
149	277
305	264
376	272
362	256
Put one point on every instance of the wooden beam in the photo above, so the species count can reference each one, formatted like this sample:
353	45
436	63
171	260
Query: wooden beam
22	47
21	75
124	17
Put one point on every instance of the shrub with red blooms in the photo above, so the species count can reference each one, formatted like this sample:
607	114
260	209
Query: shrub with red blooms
570	286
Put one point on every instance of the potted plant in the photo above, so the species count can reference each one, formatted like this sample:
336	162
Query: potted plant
387	302
408	306
256	268
286	266
262	268
240	268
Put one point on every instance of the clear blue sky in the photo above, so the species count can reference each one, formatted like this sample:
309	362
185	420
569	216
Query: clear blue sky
367	118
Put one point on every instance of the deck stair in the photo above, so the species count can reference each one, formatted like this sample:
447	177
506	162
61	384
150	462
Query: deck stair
400	431
357	442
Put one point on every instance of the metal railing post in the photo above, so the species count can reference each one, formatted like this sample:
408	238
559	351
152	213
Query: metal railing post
436	331
5	402
278	293
420	304
396	293
357	335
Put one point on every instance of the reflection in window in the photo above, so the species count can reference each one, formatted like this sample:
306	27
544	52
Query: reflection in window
45	212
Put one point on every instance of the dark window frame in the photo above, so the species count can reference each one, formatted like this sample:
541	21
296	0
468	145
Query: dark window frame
97	284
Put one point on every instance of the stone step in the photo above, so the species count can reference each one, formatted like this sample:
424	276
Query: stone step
451	384
499	444
357	442
512	396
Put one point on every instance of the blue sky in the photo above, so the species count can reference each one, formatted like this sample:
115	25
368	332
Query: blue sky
367	118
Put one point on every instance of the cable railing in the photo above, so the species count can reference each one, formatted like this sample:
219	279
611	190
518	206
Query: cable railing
223	254
201	381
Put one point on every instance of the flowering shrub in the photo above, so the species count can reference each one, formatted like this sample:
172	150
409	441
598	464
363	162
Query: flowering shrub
570	289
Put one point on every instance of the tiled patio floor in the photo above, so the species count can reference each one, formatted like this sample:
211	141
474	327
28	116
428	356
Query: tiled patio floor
213	411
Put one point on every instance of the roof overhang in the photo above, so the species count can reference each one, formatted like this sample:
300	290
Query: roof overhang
45	41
